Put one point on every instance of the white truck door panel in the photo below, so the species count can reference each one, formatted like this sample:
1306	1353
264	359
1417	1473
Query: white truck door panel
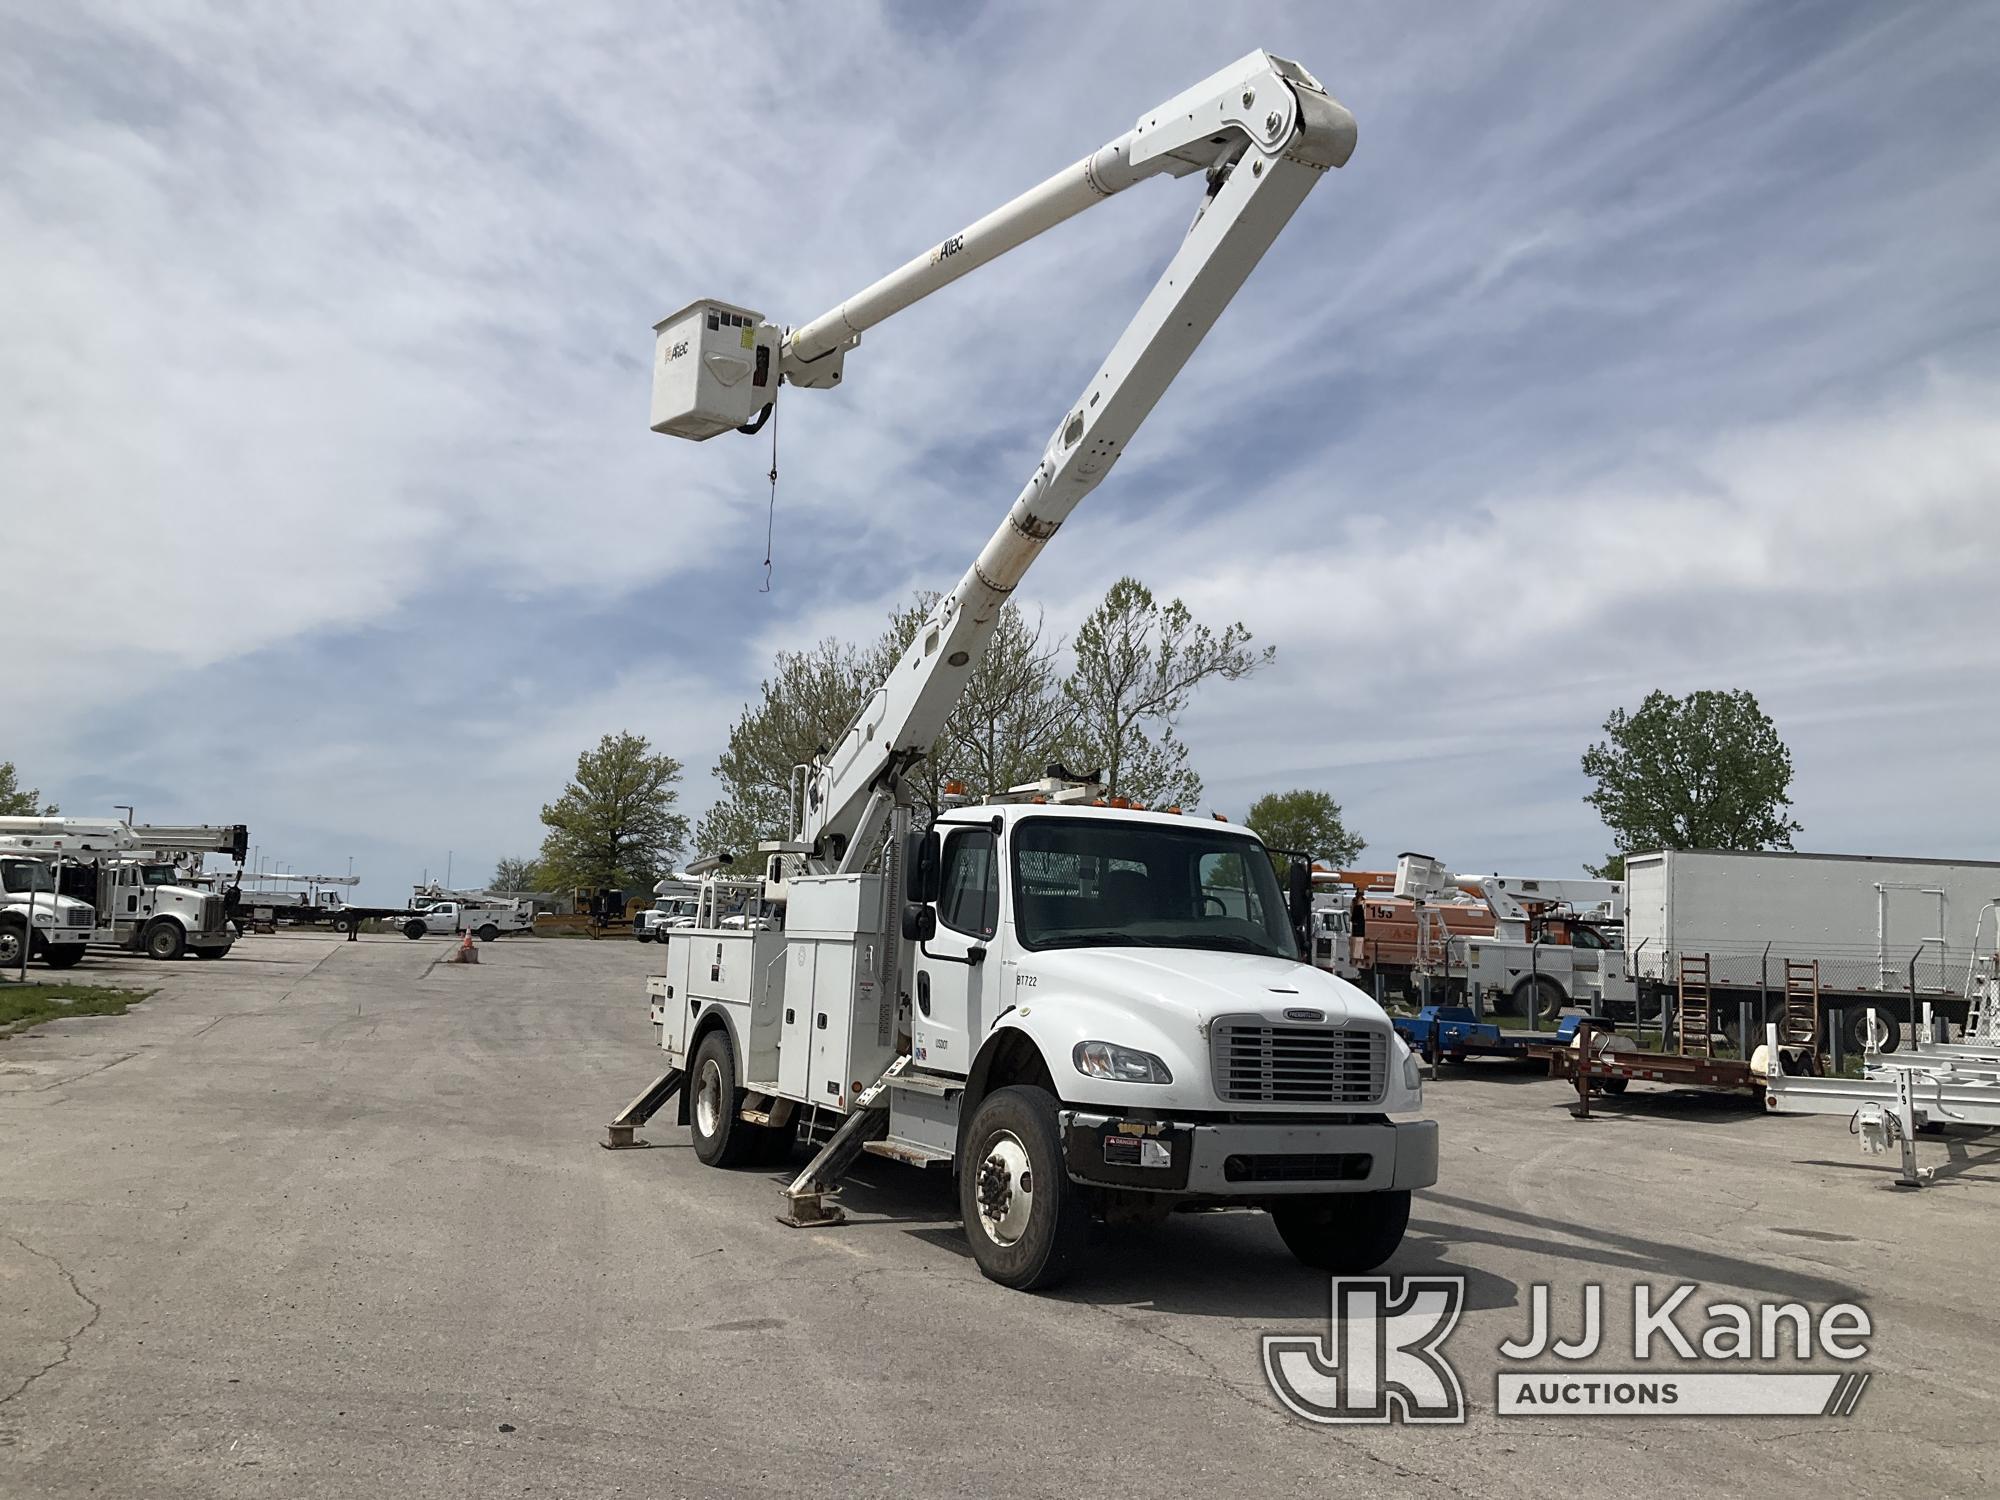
952	987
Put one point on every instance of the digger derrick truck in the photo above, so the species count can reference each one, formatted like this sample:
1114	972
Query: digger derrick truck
1081	1010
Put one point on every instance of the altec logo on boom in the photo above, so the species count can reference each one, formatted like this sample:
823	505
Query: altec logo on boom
1383	1360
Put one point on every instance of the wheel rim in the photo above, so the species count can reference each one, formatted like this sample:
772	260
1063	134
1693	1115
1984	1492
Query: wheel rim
708	1098
1006	1189
10	948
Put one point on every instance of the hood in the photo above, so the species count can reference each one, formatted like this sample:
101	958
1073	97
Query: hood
1201	984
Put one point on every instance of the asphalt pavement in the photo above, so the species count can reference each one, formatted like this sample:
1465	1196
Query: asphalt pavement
331	1219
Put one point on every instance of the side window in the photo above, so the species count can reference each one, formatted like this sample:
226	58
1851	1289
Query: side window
969	891
1226	890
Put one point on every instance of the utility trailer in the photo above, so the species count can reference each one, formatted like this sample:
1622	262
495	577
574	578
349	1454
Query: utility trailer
1890	934
1457	1034
1082	1010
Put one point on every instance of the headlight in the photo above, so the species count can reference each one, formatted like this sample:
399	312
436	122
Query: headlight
45	919
1413	1072
1119	1064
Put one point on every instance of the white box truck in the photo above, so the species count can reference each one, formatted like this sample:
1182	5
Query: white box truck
1883	932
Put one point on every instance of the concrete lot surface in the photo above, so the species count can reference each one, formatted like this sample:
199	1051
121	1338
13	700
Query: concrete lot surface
330	1219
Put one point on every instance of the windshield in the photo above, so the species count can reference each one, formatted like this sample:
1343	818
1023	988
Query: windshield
1103	882
159	874
20	876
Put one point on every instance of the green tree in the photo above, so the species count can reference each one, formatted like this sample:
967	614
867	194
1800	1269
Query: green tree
615	824
1306	821
511	874
1707	771
1013	719
1138	663
17	801
801	711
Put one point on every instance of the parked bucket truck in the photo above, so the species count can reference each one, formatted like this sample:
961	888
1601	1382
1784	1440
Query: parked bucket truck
131	876
1083	1011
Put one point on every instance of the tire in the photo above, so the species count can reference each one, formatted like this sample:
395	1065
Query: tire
11	936
487	933
1853	1023
222	952
165	940
715	1104
1027	1223
1345	1233
343	925
1550	995
66	957
413	930
1611	1085
642	936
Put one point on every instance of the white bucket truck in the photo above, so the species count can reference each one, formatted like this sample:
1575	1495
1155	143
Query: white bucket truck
33	916
132	874
1081	1010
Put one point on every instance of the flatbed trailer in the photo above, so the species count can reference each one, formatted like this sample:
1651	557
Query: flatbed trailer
1457	1034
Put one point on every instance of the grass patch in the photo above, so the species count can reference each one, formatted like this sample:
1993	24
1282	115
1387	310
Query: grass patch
26	1005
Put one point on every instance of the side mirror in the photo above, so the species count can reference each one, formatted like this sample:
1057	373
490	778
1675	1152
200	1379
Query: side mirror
1299	897
919	922
921	868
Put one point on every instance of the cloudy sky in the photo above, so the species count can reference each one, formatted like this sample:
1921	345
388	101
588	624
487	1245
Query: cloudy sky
1636	347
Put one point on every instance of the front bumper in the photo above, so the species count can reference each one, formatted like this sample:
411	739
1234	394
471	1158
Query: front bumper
1239	1160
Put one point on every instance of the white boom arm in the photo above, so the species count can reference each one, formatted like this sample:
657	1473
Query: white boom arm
1265	132
108	835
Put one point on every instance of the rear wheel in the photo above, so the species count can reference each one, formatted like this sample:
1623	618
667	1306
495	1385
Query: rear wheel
487	933
1026	1221
715	1105
1540	996
1345	1233
165	940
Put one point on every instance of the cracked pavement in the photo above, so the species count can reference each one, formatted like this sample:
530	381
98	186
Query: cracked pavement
328	1219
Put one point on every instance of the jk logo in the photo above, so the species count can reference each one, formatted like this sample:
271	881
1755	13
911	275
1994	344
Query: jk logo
1380	1360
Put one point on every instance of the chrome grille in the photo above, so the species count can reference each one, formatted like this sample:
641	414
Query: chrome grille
1257	1062
211	914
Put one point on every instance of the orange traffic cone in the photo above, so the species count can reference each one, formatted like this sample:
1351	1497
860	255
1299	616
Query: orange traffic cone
467	953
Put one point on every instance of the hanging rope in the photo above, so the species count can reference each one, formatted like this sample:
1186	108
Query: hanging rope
771	515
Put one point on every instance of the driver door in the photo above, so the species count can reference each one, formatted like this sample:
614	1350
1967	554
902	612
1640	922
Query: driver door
953	1001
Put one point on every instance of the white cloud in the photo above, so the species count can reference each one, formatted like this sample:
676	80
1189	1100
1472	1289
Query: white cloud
1625	353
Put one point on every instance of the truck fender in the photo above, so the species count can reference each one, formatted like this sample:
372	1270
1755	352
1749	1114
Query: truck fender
713	1015
1010	1054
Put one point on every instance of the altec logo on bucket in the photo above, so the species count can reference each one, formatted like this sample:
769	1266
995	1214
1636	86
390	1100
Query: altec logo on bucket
1383	1358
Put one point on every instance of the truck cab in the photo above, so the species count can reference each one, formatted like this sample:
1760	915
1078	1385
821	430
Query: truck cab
147	906
666	914
56	928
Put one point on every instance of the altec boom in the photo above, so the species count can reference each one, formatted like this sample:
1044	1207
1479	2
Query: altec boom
1082	1010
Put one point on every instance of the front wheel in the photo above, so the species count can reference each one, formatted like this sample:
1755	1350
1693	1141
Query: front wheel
66	957
1026	1221
212	952
643	936
1345	1233
165	940
12	935
413	930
